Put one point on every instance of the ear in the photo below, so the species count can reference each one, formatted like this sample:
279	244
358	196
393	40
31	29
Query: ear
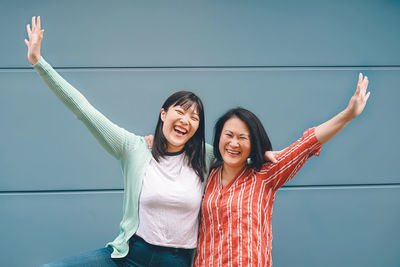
163	114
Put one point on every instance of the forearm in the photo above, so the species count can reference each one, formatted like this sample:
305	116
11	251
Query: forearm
109	135
71	97
327	130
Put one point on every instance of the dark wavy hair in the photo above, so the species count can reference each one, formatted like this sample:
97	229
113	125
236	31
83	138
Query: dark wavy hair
195	146
259	140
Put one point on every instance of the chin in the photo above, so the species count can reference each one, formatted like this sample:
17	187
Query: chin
234	164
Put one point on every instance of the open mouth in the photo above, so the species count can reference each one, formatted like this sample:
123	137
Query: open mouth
233	153
180	130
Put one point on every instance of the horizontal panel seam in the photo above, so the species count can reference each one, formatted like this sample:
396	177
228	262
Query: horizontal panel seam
211	68
66	191
291	187
341	186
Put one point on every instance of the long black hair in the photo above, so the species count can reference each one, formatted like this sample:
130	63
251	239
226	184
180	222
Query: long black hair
258	137
195	146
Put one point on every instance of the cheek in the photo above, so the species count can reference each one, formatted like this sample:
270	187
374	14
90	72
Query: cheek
195	125
164	131
166	127
248	151
221	146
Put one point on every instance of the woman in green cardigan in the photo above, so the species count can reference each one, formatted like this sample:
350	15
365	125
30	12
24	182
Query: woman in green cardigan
162	186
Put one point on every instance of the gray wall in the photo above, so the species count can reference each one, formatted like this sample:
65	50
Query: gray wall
295	64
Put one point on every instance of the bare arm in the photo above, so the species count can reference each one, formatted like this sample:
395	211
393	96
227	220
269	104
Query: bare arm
330	128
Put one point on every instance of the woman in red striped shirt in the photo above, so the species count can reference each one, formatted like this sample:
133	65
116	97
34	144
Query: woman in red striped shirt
236	211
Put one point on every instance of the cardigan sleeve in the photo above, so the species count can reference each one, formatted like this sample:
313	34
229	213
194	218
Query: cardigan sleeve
291	159
209	156
113	138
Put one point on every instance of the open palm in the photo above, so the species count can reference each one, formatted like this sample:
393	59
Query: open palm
359	99
35	36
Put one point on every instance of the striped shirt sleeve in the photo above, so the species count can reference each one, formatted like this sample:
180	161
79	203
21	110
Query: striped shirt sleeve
113	138
291	159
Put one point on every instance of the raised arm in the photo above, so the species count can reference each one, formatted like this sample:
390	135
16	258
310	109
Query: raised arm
113	138
292	158
329	129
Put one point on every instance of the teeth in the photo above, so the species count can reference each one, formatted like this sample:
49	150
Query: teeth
180	131
233	152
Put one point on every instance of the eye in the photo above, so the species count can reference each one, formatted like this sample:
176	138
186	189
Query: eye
229	134
179	111
243	138
195	118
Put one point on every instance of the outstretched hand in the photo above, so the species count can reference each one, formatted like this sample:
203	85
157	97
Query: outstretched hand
359	99
327	130
35	36
270	156
149	140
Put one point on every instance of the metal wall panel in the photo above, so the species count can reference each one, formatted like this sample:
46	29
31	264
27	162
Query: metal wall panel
335	226
44	147
207	33
294	64
38	228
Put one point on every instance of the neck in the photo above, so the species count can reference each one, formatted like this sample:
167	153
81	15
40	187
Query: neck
229	173
174	149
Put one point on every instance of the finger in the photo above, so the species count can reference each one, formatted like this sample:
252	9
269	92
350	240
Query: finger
38	22
358	89
367	96
363	86
28	29
275	153
366	85
269	155
26	42
33	23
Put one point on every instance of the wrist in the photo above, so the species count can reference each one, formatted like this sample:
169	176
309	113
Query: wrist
347	115
33	58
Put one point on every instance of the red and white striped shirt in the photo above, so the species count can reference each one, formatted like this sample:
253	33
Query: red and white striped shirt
235	225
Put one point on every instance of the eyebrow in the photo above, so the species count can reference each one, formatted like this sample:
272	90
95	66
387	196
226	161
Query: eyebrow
182	107
247	135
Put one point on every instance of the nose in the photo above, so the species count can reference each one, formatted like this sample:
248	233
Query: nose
184	119
234	142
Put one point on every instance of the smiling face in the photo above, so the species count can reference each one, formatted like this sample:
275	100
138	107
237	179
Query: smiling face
179	125
234	143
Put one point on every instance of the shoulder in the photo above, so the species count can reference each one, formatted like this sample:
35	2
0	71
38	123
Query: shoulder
136	144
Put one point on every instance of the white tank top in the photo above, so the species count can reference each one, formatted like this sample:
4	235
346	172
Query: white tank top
169	203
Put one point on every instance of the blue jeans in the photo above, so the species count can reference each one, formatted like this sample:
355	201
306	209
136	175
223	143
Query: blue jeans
140	253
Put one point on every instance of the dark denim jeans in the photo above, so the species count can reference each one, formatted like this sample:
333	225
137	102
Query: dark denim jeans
140	253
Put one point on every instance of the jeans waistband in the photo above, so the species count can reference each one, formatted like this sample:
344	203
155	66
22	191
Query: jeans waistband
136	238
